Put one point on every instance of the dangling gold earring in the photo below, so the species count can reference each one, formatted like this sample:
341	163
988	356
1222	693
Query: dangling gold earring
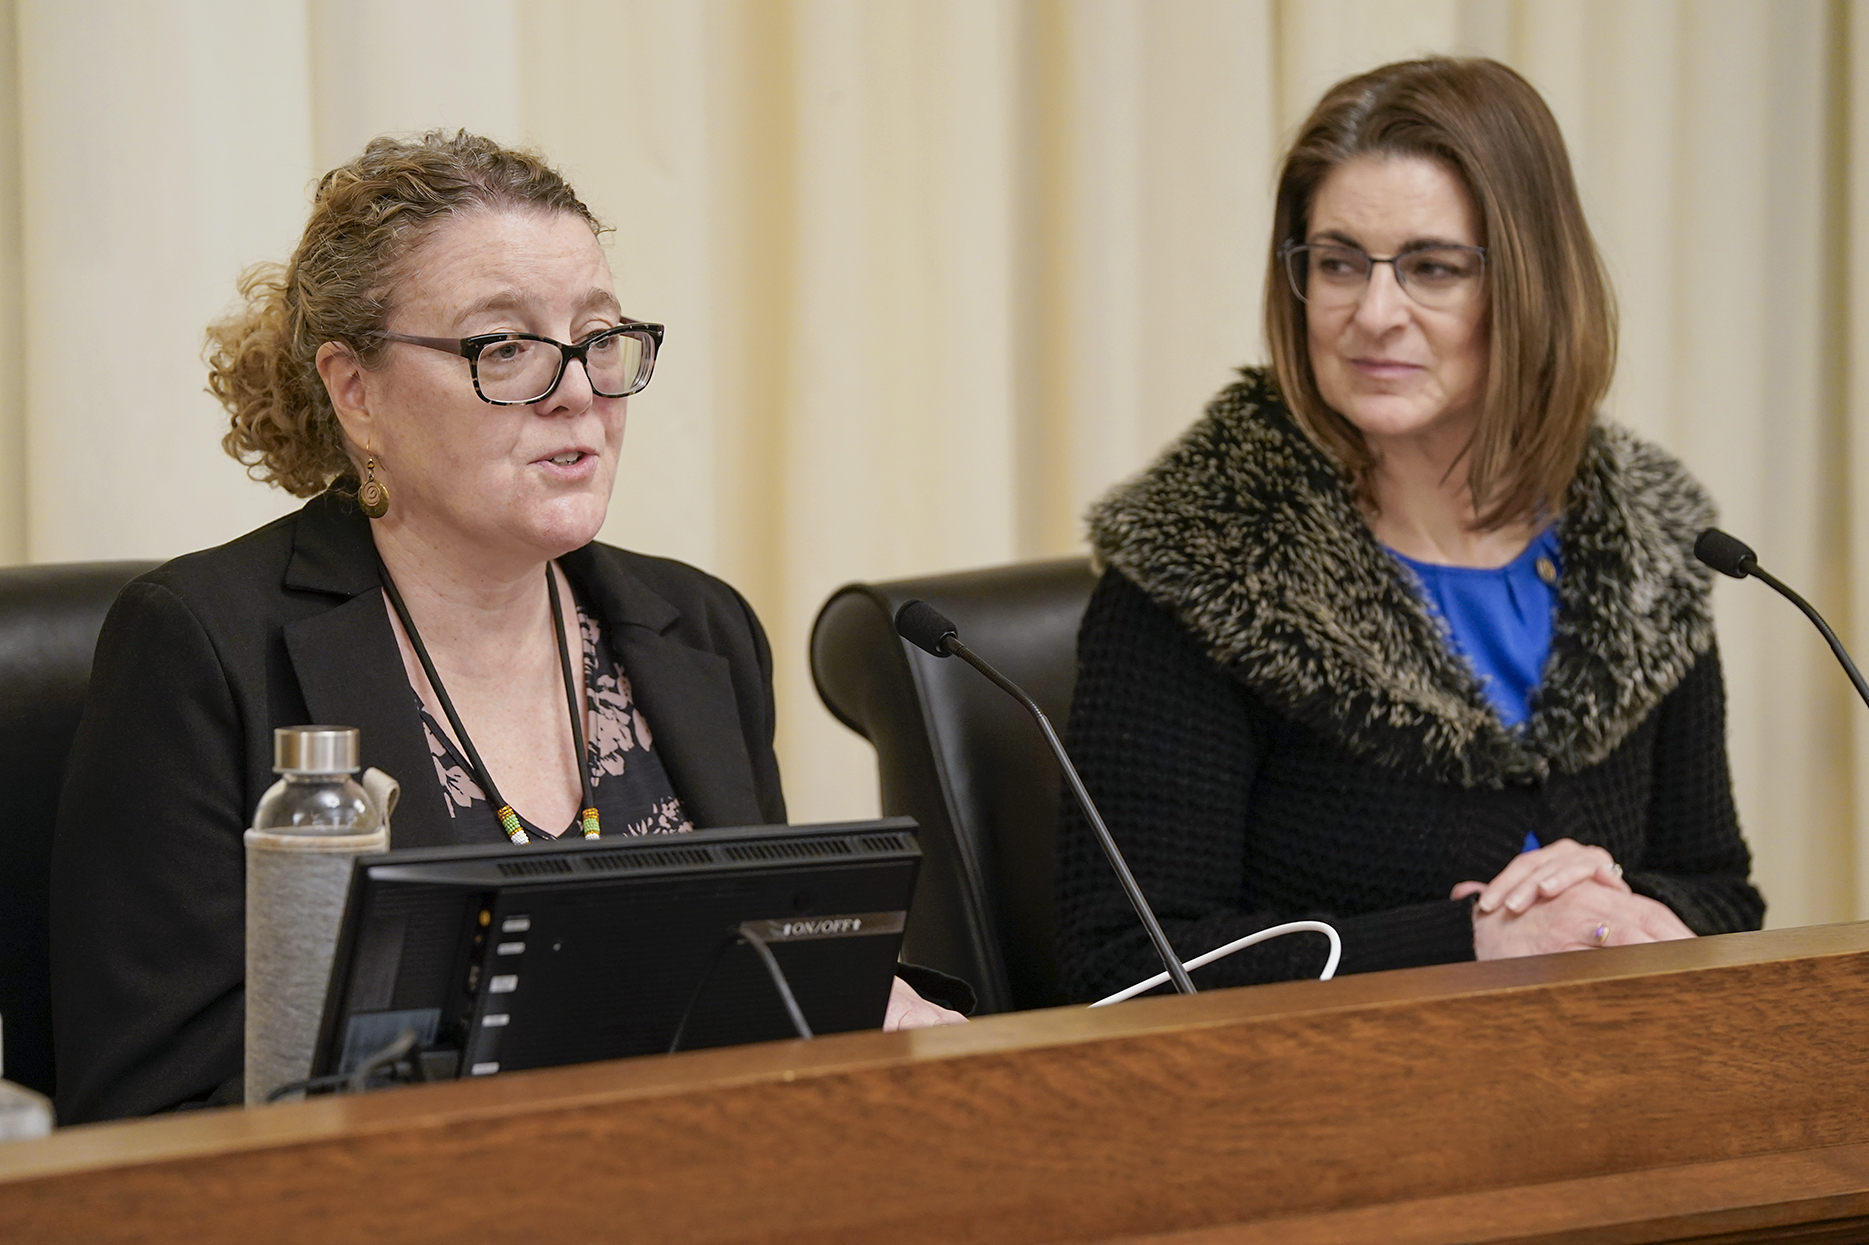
372	496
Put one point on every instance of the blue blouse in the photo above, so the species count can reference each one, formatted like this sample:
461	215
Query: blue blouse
1500	621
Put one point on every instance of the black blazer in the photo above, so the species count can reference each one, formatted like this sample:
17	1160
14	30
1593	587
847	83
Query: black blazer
196	665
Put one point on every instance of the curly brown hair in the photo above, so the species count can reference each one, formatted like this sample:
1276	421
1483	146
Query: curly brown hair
367	217
1553	315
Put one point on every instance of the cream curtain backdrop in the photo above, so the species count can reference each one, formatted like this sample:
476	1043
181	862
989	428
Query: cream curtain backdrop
938	272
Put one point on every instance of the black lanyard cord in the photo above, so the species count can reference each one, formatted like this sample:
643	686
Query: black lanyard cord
508	819
588	817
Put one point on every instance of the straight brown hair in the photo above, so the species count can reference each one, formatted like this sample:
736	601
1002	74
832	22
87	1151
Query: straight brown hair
1552	314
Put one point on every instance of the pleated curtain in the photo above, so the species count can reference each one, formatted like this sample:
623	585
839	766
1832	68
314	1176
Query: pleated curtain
938	272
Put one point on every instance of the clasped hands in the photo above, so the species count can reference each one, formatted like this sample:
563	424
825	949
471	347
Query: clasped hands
1563	897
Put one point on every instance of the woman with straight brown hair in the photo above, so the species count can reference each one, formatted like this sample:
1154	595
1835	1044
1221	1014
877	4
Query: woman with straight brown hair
1402	635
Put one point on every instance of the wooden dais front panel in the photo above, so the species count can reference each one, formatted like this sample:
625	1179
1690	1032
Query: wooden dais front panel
1648	1093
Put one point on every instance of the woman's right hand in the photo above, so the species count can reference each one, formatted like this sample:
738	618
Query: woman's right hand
1585	916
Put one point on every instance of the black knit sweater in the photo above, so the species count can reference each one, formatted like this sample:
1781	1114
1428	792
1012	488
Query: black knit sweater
1275	728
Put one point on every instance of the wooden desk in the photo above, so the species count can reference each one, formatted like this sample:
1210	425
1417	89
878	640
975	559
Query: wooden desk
1710	1090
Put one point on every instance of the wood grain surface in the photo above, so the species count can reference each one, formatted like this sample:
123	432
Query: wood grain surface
1819	1195
1646	1093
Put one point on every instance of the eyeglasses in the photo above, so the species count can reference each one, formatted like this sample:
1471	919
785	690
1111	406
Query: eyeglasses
1331	274
518	369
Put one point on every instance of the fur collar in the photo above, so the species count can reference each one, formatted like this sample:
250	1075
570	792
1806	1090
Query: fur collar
1248	533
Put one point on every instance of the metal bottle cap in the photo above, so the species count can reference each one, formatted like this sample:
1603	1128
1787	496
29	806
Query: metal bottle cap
315	750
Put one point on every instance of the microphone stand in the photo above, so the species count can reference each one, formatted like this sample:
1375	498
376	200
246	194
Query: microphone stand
1176	973
1729	555
1830	637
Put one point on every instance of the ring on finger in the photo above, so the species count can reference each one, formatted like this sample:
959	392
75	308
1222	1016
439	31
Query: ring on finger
1600	935
1615	868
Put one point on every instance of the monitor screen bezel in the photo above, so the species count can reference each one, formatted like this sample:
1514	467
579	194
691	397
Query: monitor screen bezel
479	869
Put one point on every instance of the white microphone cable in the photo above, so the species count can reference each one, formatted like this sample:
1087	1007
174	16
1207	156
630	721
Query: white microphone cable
1240	944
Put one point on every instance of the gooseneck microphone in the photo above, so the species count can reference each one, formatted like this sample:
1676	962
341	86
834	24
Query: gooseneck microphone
1731	556
924	626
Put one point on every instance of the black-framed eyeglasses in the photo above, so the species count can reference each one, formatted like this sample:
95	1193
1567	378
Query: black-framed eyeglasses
518	369
1335	274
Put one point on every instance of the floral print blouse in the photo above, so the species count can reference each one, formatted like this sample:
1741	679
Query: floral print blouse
628	783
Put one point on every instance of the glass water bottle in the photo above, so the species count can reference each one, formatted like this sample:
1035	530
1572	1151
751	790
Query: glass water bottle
316	794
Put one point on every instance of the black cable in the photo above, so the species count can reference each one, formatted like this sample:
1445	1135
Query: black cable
309	1085
746	934
778	979
385	1058
356	1081
681	1026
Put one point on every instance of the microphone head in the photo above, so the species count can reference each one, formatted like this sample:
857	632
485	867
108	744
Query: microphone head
924	626
1726	554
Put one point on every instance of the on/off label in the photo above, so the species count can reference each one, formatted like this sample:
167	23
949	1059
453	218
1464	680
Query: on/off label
846	925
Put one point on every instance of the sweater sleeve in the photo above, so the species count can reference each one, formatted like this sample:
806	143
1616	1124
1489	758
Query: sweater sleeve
1695	860
1170	747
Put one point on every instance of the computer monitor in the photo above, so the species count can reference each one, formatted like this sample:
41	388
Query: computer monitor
502	959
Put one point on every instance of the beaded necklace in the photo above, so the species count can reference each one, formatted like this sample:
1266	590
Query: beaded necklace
509	820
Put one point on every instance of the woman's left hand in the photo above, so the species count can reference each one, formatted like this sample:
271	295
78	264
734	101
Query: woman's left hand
1544	874
909	1010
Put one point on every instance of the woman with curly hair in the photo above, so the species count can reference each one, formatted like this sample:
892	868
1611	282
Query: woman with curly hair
443	369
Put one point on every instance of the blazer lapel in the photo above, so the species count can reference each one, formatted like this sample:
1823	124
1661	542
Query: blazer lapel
686	693
351	674
350	670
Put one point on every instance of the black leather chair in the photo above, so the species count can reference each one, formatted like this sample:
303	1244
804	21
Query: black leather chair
963	759
49	619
